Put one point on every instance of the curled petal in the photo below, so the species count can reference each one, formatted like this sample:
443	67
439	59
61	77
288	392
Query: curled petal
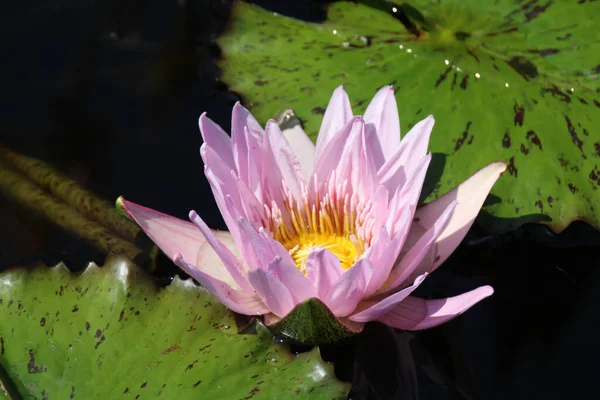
300	288
245	134
382	307
172	235
349	290
272	291
237	300
215	137
470	196
229	260
330	155
415	314
403	162
323	269
412	259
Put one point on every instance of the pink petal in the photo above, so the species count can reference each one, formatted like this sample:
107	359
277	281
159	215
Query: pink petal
356	163
243	125
328	158
337	115
222	181
382	112
300	288
285	160
403	162
304	149
237	300
470	196
229	260
407	196
378	309
323	270
272	291
256	249
171	234
412	259
415	314
215	137
347	292
384	252
221	192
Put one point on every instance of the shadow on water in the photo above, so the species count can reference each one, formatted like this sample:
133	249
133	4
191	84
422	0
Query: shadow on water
114	106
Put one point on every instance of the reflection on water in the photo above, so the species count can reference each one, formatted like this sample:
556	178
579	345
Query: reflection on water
109	94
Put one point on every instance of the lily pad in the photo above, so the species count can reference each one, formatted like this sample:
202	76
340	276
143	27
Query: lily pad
111	332
510	80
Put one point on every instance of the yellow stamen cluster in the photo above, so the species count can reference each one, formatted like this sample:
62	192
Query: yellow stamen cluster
329	223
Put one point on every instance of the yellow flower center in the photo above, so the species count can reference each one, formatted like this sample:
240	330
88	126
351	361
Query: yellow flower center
330	223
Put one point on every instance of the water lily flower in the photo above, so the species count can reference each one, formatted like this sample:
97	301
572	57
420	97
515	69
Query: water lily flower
334	224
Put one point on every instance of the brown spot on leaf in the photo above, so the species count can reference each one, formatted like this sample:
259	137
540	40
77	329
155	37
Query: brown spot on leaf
126	390
547	52
512	169
597	148
524	149
506	140
453	81
144	384
121	315
463	83
190	366
555	91
75	308
170	349
443	76
473	55
98	333
550	200
99	342
519	114
261	83
573	188
318	111
536	11
42	321
31	367
540	205
87	326
595	176
523	67
460	141
197	383
578	142
533	138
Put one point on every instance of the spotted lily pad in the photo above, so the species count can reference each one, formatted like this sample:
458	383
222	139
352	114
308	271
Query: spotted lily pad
512	80
111	332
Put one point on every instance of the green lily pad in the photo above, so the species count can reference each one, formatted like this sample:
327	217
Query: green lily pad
112	333
510	80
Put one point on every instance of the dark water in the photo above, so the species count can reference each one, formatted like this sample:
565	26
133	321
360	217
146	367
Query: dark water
110	92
